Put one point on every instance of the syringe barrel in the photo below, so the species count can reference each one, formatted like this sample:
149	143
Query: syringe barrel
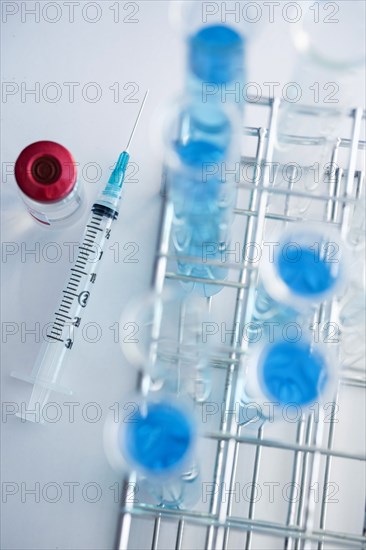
68	315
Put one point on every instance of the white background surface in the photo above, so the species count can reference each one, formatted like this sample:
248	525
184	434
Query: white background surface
149	53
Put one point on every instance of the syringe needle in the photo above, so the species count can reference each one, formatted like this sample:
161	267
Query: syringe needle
137	120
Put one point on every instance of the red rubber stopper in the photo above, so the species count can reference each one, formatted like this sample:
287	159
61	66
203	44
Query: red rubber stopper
45	171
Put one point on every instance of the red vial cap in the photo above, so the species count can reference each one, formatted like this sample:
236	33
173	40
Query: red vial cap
45	171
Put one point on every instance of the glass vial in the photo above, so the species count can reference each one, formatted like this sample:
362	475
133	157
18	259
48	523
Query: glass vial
285	374
167	342
158	441
301	269
216	43
203	153
46	175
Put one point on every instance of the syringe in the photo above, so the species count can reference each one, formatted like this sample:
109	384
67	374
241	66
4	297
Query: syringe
76	293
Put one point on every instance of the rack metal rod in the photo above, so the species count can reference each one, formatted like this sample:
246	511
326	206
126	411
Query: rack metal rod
307	467
260	526
261	135
344	229
301	194
276	444
305	109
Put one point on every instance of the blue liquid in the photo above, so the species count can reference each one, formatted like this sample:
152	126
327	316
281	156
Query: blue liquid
305	273
202	208
293	373
159	441
197	154
216	54
216	65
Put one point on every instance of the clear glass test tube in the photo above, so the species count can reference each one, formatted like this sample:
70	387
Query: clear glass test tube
166	342
46	175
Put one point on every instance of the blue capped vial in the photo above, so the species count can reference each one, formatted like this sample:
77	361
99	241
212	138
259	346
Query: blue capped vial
283	374
216	64
157	440
292	373
299	270
309	265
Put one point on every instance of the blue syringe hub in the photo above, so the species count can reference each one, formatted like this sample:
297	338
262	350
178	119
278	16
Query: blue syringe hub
110	197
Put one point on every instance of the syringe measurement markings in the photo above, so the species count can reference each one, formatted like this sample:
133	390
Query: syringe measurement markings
81	258
61	315
72	286
70	293
94	227
54	338
78	271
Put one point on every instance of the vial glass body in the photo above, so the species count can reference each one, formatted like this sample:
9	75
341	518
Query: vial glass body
203	154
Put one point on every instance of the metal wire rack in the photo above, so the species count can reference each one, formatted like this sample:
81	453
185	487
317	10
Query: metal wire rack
311	450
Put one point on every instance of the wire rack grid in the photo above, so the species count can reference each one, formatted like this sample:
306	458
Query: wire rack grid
311	447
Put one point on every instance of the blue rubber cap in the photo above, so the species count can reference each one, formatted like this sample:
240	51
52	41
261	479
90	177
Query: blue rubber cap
216	54
304	271
293	373
159	441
